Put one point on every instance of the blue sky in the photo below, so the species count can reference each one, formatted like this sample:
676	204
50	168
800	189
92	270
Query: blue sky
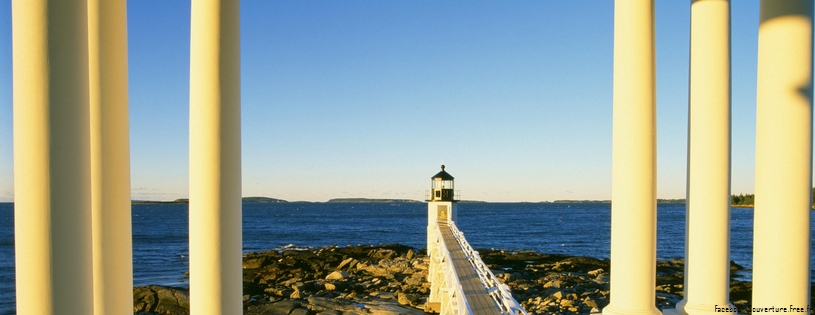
368	98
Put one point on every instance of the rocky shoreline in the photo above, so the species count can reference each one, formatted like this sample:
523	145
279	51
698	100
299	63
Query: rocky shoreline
391	280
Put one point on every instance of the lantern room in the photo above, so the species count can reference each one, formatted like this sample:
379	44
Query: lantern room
441	187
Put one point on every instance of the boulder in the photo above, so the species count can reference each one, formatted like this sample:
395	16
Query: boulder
161	300
347	264
279	291
299	311
411	299
382	253
337	275
321	304
279	308
254	262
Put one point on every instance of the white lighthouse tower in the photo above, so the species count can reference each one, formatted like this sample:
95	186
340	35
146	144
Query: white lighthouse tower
441	202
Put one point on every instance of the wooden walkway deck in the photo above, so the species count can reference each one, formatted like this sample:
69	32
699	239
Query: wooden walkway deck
475	292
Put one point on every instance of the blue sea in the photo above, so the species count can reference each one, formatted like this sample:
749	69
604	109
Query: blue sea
160	244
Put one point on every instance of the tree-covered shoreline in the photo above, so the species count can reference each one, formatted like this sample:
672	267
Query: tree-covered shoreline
748	200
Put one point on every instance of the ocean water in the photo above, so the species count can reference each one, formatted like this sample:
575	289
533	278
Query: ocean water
160	244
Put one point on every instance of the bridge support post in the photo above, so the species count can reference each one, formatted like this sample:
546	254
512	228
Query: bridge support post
52	182
781	252
633	213
215	159
707	233
110	157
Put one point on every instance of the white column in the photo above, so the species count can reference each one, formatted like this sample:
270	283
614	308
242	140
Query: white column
216	283
707	233
110	157
781	242
52	183
633	210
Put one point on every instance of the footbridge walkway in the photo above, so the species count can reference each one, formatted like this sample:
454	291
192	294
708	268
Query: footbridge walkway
461	283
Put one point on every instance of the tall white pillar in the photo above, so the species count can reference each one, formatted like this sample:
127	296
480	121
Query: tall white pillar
781	239
707	233
52	176
633	208
110	157
215	159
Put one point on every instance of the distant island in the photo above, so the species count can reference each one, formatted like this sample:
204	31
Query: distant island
579	201
262	199
736	201
680	201
187	201
371	200
154	202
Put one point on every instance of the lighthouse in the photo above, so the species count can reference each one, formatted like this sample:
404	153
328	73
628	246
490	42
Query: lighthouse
441	201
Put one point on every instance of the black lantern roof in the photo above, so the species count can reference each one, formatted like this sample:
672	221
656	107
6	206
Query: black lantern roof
442	175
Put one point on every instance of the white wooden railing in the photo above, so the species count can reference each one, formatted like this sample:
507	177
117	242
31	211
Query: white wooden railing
499	292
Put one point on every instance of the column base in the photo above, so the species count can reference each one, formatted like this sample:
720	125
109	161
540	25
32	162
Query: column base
611	310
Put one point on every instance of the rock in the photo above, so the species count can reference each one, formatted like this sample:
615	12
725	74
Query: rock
402	299
358	311
161	300
382	253
299	311
368	276
337	275
383	295
411	299
279	291
320	304
279	308
349	263
375	270
596	272
254	262
416	279
391	310
144	299
735	267
421	265
393	266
